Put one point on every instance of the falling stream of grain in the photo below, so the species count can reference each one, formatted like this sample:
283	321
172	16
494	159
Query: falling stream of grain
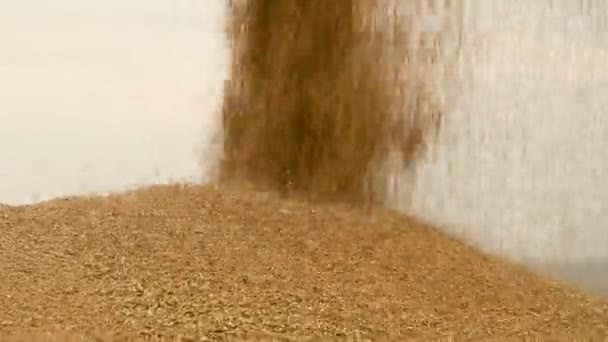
519	165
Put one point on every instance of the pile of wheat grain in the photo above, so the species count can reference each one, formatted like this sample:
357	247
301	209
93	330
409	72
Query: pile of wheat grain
194	261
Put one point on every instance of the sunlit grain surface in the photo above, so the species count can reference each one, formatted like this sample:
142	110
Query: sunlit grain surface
191	260
103	97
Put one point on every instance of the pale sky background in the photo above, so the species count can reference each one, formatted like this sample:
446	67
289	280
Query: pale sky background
103	95
99	96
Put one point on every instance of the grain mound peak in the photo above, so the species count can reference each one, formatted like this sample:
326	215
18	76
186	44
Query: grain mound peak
192	261
309	110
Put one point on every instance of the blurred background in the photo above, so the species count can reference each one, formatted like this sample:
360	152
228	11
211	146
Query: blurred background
97	97
101	96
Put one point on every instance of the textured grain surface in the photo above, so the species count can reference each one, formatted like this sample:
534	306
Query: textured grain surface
189	260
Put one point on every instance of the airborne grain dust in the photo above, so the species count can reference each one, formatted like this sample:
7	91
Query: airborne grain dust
309	109
312	101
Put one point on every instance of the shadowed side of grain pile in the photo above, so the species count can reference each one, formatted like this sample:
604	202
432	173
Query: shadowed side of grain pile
317	100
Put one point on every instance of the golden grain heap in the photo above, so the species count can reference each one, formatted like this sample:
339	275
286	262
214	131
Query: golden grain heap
320	94
313	106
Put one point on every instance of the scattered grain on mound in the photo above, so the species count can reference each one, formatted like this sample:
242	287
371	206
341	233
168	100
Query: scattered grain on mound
190	260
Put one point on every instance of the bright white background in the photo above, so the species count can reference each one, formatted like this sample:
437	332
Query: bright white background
99	96
523	161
